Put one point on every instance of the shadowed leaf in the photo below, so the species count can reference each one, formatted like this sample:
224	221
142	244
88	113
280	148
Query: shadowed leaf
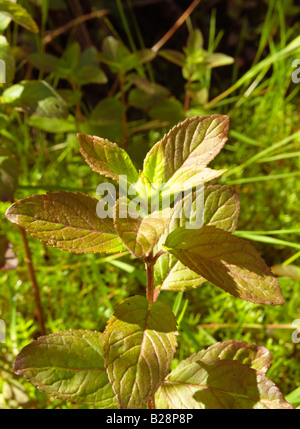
257	357
219	384
221	209
227	261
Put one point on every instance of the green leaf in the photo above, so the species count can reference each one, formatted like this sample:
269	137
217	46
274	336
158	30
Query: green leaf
68	221
53	125
8	175
257	357
19	15
189	146
291	271
68	365
227	261
113	54
4	120
88	75
119	59
221	209
294	397
219	384
170	110
138	230
45	62
36	97
134	60
9	61
139	344
195	42
187	178
218	60
169	272
107	158
173	56
5	20
106	120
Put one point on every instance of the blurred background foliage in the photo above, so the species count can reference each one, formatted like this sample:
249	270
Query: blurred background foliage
121	70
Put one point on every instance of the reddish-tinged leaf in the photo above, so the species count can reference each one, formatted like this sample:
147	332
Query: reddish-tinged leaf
139	344
227	261
141	234
70	366
67	221
219	384
191	144
257	357
107	158
221	209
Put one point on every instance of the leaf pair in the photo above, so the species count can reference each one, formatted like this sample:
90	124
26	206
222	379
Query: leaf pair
176	163
69	221
211	252
229	375
136	349
221	209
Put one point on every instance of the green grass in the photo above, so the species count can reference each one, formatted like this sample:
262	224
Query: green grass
81	291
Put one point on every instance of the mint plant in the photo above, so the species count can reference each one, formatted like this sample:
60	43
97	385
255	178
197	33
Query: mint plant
128	366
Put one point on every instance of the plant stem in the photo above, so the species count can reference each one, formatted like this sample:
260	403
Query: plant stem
175	27
150	280
187	101
124	117
150	296
151	404
35	287
77	21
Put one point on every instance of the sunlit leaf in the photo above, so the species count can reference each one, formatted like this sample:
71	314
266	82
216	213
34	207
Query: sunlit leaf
68	221
19	15
36	98
218	60
7	70
68	365
107	158
139	344
138	230
189	145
